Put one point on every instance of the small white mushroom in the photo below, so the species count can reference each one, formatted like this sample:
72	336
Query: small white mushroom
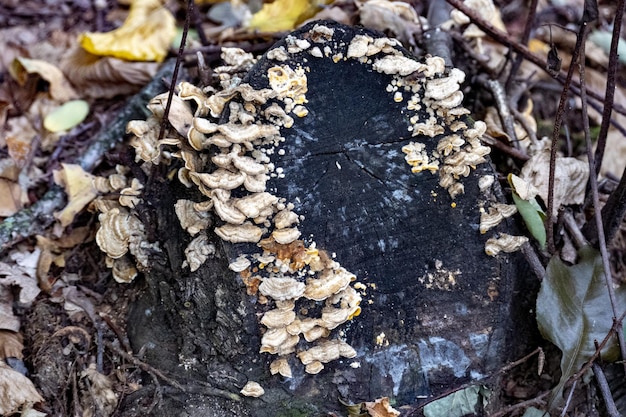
278	318
116	228
330	282
246	232
190	219
327	351
397	64
282	288
240	264
281	366
254	204
220	178
286	236
314	367
252	389
285	218
278	342
504	243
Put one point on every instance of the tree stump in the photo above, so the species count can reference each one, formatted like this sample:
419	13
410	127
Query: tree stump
434	309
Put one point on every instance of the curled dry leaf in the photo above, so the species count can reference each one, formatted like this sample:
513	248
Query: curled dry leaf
80	190
381	408
60	89
145	35
570	178
106	77
16	391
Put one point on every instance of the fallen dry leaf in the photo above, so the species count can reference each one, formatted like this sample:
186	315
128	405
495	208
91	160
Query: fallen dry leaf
570	179
10	197
79	188
16	391
66	116
100	396
398	17
381	408
11	344
146	34
106	77
60	89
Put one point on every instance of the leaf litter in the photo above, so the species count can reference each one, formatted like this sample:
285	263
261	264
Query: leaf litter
45	68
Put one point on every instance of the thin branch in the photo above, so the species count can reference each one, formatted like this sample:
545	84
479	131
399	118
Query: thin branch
593	180
179	58
610	85
605	390
504	38
530	21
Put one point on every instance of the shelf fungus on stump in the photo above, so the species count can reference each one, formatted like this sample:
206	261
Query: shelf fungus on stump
348	183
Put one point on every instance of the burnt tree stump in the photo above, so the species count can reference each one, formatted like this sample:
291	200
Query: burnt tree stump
434	309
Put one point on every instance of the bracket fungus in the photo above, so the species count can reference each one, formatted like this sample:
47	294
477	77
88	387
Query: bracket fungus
336	156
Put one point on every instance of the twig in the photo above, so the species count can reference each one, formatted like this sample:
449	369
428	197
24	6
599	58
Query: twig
569	398
556	135
144	366
605	390
593	181
616	328
530	21
574	230
499	96
538	400
610	85
505	39
507	149
533	261
179	58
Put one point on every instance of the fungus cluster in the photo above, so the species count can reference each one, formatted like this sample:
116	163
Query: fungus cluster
229	147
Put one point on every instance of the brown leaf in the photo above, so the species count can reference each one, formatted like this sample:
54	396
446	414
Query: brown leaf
381	408
17	392
11	344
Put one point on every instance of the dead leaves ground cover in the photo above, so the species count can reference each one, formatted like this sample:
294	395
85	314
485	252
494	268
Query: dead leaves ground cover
68	67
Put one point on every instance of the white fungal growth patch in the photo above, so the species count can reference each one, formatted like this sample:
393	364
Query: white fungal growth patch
440	279
288	83
504	243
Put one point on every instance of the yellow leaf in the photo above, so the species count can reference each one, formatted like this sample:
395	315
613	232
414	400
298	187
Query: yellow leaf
67	116
145	35
281	15
79	188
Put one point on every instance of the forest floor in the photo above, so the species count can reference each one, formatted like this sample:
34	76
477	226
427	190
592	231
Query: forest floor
66	97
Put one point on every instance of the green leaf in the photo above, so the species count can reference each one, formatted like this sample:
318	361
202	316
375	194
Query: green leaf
573	311
66	116
533	217
458	404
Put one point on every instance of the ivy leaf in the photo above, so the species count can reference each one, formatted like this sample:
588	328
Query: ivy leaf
573	311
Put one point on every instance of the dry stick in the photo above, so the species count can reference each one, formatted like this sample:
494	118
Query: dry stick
538	400
616	328
530	21
605	390
556	134
569	398
179	59
505	39
610	85
593	180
